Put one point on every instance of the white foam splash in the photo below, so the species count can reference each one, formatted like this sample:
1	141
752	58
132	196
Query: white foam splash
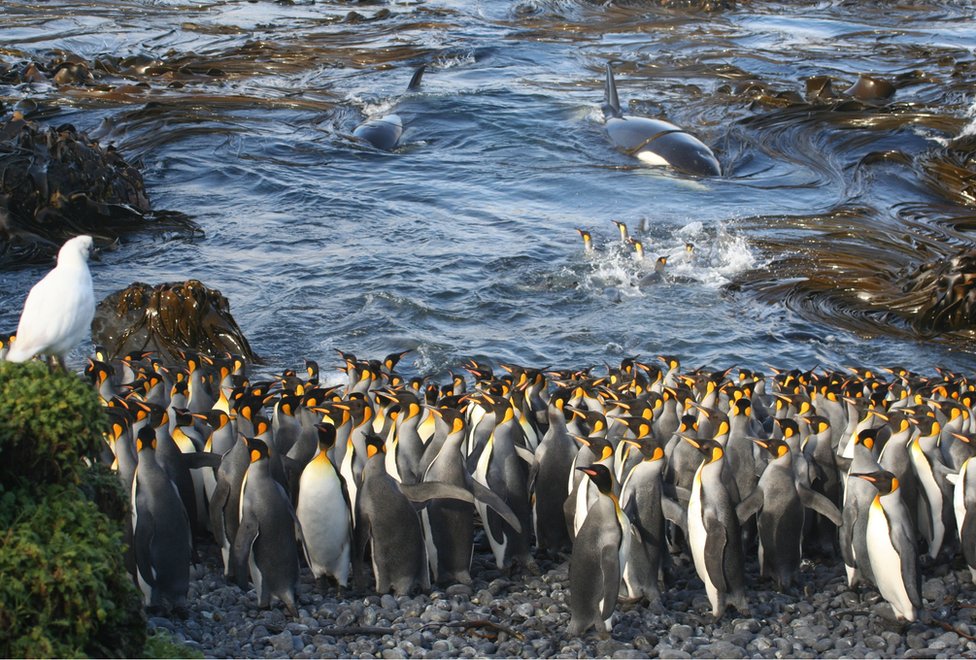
714	258
970	127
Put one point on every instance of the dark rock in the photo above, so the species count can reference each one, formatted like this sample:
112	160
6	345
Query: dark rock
167	318
58	183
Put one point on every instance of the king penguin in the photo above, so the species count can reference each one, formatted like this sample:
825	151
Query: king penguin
161	529
323	512
266	542
891	546
599	553
388	522
714	533
781	499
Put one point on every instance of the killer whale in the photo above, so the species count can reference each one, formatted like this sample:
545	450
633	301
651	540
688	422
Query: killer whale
655	141
384	132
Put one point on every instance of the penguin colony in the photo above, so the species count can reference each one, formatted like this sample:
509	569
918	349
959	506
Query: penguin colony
624	468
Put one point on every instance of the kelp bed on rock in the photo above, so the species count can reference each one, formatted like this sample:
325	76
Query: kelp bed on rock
168	318
57	183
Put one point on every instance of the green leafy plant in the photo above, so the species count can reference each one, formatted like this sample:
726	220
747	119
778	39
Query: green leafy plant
50	425
64	589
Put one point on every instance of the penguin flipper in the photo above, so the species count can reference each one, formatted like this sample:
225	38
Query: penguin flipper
750	506
142	541
716	544
811	499
905	547
218	501
362	531
488	497
682	494
432	490
525	455
848	520
610	567
247	533
197	460
674	512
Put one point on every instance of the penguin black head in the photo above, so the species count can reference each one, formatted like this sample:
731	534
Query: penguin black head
710	448
183	417
884	481
453	418
741	407
217	419
374	445
776	448
866	437
817	423
146	439
968	439
327	435
640	427
600	476
650	447
258	449
598	445
312	369
788	425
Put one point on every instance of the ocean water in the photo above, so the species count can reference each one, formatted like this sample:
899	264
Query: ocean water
463	241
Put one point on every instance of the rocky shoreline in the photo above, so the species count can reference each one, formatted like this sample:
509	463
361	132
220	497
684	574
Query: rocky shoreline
525	615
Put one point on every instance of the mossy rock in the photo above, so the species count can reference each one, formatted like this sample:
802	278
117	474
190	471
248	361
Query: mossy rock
51	425
65	591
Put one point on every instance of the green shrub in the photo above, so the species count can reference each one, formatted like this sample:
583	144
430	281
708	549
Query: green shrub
65	591
50	424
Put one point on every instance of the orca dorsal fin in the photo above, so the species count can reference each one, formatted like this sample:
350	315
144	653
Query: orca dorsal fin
415	80
611	104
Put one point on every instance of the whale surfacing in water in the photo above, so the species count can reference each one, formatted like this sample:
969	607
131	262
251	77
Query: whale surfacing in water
385	132
655	141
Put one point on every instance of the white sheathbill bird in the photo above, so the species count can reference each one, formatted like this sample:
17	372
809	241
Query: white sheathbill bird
58	311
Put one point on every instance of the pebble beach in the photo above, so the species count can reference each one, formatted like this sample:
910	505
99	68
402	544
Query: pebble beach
525	616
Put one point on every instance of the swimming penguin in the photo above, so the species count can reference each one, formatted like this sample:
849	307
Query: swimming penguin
714	534
599	553
587	240
161	529
655	141
385	132
266	541
780	499
891	546
324	513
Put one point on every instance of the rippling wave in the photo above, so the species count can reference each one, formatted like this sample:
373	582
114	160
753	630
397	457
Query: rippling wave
845	131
